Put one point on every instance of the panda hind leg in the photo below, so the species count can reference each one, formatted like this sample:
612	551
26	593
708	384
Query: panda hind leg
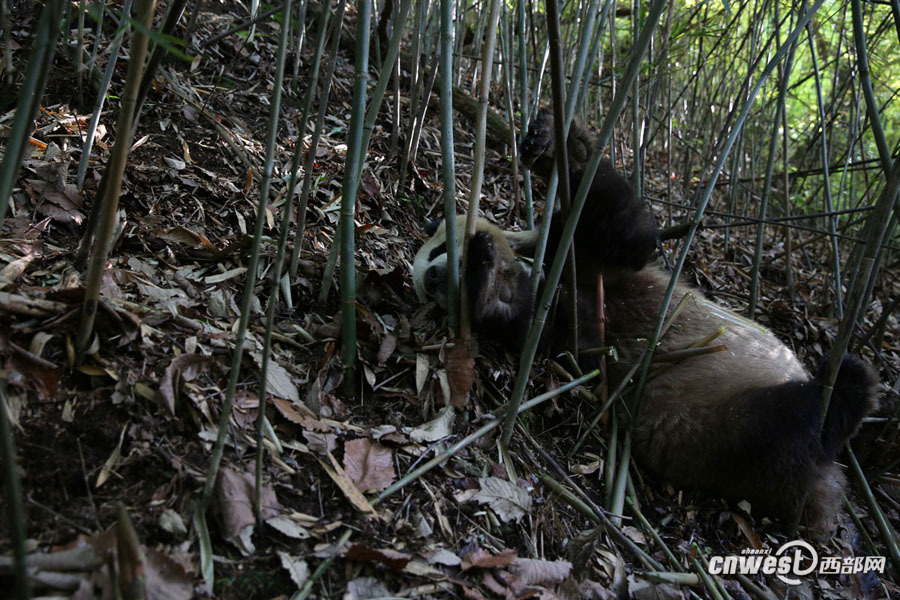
793	471
854	396
768	450
824	501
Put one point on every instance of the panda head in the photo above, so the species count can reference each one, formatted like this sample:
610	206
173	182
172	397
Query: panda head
497	281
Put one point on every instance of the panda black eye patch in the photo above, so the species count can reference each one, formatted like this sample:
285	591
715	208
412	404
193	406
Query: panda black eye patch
437	251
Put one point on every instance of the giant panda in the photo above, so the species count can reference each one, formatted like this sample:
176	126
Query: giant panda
743	423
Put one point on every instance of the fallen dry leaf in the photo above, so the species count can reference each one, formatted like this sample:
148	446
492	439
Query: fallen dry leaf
508	500
278	381
27	370
497	586
369	465
130	558
485	560
533	571
14	269
289	527
320	443
386	350
438	428
167	579
356	498
235	491
421	372
460	373
296	567
392	558
111	461
184	366
364	588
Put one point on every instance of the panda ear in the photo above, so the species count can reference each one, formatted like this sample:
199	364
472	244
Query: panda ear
432	226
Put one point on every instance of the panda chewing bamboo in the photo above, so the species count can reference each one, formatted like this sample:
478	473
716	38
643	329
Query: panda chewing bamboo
743	423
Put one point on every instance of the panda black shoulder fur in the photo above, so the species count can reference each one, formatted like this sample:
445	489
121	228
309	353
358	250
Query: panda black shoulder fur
742	423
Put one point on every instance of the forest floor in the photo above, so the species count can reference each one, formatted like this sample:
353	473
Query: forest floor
134	424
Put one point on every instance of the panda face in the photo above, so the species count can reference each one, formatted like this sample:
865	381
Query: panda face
430	268
500	255
434	281
497	282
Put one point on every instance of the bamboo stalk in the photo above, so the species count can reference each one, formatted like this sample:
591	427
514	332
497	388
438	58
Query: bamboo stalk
252	266
705	195
487	60
352	171
115	170
12	486
557	75
448	167
784	74
826	175
309	165
29	97
100	101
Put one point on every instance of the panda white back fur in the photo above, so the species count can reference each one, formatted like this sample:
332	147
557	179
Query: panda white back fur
743	423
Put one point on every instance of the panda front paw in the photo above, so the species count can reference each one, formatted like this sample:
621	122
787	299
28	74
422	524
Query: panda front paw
482	250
